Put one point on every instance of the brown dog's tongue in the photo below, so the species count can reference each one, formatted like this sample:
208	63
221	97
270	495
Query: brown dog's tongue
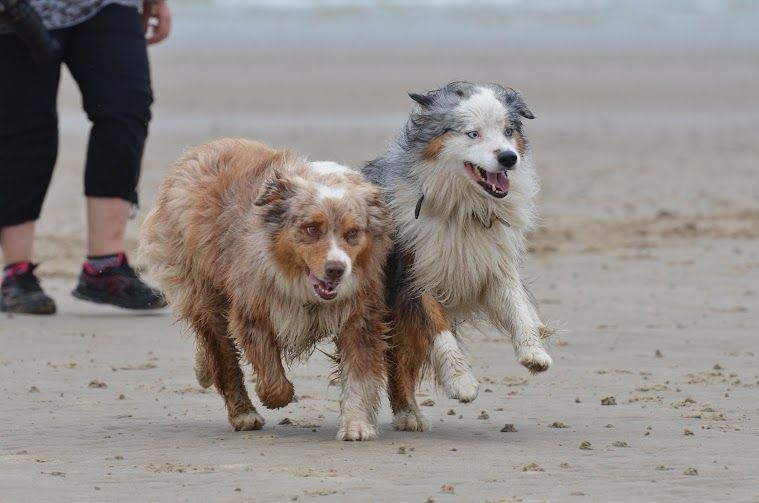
499	180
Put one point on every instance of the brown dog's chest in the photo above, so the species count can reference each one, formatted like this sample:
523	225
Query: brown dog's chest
299	327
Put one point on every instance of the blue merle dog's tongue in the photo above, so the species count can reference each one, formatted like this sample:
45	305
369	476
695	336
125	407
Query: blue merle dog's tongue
498	180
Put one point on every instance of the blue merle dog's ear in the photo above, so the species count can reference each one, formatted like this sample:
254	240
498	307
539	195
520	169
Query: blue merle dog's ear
275	189
518	104
525	112
425	100
514	101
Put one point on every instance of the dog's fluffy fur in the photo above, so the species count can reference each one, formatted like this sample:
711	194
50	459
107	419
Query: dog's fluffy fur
461	185
265	253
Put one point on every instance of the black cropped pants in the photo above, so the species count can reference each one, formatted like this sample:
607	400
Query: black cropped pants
107	56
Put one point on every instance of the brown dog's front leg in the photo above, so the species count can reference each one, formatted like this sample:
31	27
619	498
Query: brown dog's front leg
219	362
259	343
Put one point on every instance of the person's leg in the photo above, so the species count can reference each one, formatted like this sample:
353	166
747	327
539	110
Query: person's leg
106	223
28	144
17	242
28	149
107	56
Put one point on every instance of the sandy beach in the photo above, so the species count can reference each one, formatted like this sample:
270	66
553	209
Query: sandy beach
647	256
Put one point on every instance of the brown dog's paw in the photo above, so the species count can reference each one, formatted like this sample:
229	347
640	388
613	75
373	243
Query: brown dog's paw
535	359
275	396
251	420
357	431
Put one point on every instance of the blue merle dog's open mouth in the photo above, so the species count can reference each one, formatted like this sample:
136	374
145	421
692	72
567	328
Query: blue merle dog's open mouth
495	184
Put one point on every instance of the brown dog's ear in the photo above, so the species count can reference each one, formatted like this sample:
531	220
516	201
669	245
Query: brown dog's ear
276	188
380	219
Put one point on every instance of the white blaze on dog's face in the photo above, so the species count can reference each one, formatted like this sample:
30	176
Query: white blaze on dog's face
484	147
321	234
329	167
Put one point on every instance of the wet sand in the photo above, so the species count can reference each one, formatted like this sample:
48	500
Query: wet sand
647	256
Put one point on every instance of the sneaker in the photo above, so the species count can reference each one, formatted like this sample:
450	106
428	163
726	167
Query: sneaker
117	285
21	292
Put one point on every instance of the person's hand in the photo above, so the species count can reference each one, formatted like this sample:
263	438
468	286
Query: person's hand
156	18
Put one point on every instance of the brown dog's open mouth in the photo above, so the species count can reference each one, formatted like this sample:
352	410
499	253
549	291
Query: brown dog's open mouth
326	290
495	184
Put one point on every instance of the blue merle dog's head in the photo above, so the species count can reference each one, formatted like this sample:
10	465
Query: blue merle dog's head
474	130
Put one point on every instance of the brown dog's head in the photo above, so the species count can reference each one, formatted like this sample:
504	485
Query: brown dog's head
330	227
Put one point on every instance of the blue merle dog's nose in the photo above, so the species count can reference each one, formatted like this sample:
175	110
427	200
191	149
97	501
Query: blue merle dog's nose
507	159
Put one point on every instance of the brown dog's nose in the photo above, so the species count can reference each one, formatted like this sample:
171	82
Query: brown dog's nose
334	270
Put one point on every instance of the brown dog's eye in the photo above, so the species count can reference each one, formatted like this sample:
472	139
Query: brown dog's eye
312	230
351	235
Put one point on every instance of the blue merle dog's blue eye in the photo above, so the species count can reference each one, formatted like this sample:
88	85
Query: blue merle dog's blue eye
473	134
508	132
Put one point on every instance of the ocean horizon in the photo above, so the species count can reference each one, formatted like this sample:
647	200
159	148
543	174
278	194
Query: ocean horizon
421	25
663	7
